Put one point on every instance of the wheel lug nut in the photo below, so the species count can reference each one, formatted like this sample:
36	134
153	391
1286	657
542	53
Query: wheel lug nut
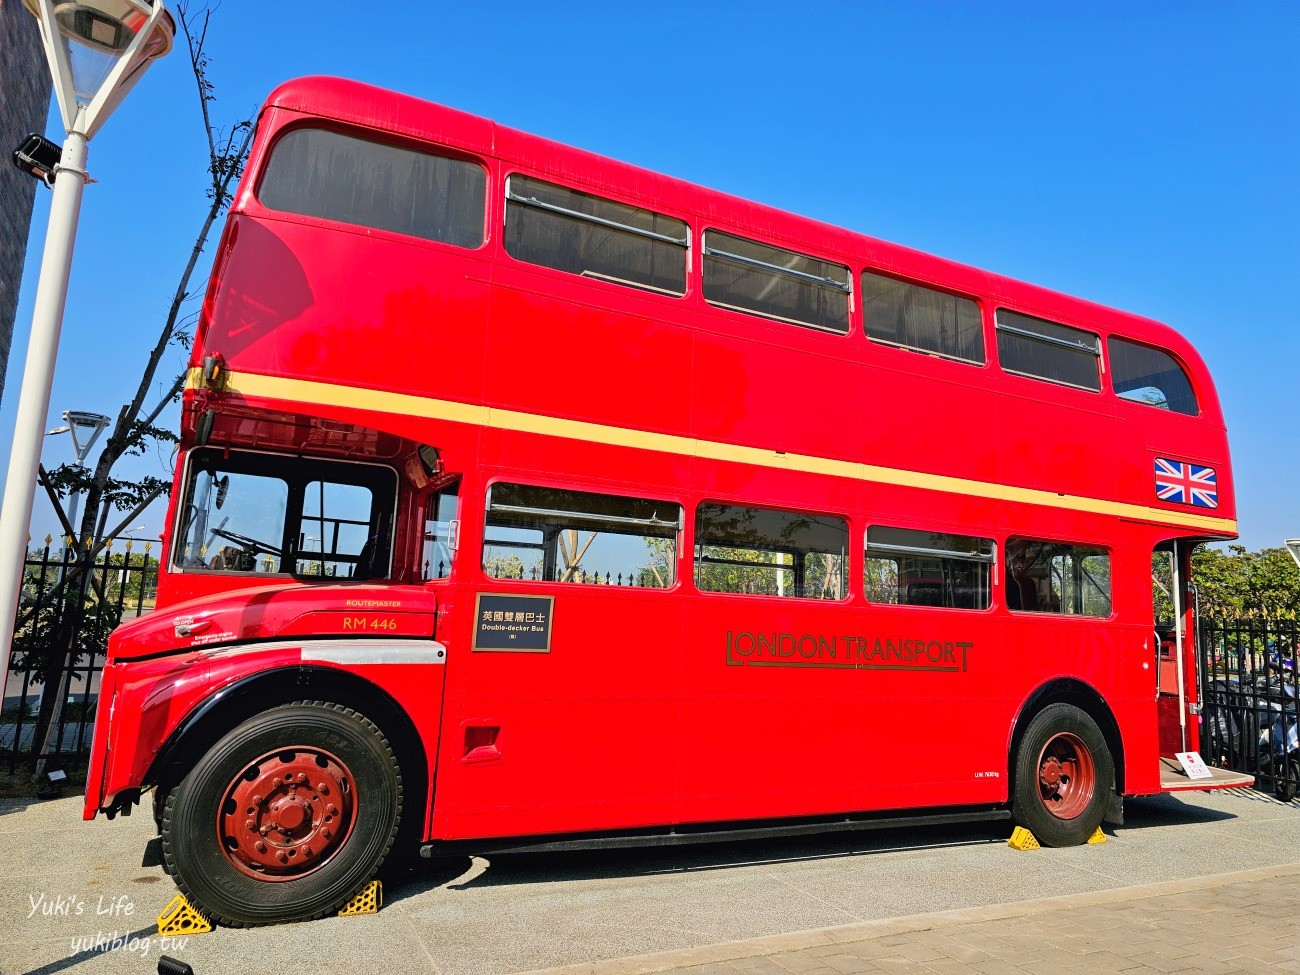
302	778
323	788
281	857
325	834
331	809
259	846
250	825
258	800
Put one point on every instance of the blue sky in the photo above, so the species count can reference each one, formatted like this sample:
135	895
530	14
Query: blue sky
1139	155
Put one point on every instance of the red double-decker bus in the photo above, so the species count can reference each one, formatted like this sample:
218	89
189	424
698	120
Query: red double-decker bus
527	498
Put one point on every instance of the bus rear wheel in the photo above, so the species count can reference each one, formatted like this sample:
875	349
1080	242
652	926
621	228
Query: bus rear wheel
1063	777
285	818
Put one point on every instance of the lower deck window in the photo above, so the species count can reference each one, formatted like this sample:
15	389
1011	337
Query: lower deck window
760	551
920	568
440	526
1057	577
553	535
267	513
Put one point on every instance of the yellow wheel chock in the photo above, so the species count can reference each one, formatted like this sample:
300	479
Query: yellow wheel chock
180	917
1097	837
1022	839
367	902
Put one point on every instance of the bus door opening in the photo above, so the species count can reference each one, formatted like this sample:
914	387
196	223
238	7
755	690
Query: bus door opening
1174	652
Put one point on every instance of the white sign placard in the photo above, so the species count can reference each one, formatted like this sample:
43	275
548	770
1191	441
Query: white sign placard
1194	765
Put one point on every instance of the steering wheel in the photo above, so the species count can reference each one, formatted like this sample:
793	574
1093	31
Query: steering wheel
248	544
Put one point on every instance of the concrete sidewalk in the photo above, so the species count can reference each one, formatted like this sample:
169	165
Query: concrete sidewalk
81	898
1248	922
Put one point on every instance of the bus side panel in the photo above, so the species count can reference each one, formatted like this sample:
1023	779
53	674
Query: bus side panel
296	303
581	734
573	738
574	359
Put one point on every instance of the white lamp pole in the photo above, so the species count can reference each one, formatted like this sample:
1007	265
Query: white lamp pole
97	50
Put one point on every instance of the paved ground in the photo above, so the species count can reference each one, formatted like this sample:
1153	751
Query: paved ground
1237	922
828	904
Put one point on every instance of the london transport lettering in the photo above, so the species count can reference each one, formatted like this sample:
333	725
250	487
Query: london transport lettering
845	652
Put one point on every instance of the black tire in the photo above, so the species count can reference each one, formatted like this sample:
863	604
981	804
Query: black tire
209	875
1065	813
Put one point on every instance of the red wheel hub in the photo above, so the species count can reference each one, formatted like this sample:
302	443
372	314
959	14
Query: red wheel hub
1067	777
287	813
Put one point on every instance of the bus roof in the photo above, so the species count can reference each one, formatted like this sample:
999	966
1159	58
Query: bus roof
368	106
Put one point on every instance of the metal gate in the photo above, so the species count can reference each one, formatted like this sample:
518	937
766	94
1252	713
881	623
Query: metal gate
1249	693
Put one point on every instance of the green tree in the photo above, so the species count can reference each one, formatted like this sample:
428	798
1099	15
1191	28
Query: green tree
1237	582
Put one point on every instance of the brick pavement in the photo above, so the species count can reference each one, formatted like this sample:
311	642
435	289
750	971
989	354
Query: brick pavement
1248	921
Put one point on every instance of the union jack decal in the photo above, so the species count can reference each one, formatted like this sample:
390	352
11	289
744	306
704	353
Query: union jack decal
1185	483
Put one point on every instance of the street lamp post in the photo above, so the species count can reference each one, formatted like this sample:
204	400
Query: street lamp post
97	50
1293	545
85	429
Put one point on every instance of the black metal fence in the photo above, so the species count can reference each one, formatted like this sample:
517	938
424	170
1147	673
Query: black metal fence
68	607
1249	693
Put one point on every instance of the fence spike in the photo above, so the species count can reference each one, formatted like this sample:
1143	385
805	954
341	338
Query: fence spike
147	546
88	540
48	539
128	544
69	541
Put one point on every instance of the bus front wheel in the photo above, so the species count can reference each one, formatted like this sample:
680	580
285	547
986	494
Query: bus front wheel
286	817
1064	774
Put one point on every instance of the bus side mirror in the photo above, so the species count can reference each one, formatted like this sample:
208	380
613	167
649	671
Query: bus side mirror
430	460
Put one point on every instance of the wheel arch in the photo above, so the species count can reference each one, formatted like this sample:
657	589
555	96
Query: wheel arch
1068	690
232	704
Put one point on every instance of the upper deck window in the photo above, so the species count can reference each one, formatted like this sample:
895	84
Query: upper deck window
597	238
1146	375
320	173
914	317
1045	350
751	277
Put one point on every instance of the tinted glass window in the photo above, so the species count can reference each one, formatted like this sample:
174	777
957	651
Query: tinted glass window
553	535
1057	577
340	177
772	553
597	238
236	521
919	568
439	545
1046	350
921	318
753	277
335	527
1146	375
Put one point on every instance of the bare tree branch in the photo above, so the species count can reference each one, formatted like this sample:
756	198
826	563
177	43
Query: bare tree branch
226	155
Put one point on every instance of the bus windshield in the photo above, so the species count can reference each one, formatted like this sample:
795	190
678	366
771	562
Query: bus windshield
266	513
